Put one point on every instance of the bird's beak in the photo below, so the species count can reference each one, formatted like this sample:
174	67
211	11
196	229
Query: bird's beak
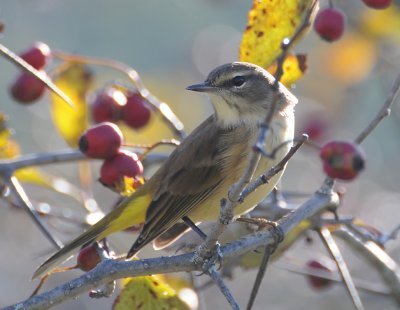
202	87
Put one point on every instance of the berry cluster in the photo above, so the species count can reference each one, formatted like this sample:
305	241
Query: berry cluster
113	105
26	88
330	22
104	141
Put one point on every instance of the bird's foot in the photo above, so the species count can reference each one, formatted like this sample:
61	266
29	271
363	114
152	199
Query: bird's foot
264	224
207	258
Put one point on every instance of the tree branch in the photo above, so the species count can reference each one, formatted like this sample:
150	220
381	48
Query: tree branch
110	270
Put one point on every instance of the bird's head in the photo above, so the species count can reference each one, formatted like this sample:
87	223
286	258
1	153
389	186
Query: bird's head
242	92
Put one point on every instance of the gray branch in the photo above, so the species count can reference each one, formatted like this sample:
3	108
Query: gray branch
110	270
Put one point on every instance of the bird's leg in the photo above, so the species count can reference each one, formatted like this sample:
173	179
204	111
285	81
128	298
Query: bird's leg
211	256
194	227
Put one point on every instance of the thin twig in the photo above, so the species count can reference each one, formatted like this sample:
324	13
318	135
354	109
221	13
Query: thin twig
334	251
223	288
23	200
383	112
39	159
286	45
165	111
36	73
265	177
260	277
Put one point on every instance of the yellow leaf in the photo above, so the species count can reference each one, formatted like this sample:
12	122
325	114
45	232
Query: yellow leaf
74	81
269	22
294	68
129	185
147	293
9	149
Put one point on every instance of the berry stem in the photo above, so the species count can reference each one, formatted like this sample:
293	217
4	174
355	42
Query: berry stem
18	61
383	112
150	147
168	116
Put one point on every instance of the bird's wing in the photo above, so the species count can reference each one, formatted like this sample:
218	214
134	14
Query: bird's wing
184	184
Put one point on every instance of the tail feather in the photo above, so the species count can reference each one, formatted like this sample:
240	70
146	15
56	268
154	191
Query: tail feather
66	252
175	232
130	212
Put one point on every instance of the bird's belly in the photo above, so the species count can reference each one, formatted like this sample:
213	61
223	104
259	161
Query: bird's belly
282	131
209	209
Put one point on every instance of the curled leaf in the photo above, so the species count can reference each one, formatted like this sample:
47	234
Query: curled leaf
74	80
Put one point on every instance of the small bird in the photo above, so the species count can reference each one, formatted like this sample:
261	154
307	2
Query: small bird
200	171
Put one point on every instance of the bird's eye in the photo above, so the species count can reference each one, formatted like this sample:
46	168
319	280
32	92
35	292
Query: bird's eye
238	80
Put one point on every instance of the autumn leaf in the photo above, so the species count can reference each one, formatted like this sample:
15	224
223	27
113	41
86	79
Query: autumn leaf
294	68
146	293
74	81
269	22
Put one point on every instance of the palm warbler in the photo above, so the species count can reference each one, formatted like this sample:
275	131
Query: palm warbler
202	168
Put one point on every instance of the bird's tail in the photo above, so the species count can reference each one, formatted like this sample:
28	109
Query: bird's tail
132	211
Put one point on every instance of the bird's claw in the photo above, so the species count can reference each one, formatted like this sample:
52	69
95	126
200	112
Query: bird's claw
264	224
208	258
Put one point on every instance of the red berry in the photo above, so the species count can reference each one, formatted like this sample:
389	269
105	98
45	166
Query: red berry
27	88
329	24
101	141
377	4
342	160
106	107
122	164
37	55
88	257
136	112
316	282
316	127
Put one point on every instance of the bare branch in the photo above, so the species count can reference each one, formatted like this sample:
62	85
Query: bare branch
39	159
223	288
24	202
110	270
31	70
383	112
260	277
165	111
334	251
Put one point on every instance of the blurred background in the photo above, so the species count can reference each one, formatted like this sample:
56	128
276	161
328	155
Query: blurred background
173	44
